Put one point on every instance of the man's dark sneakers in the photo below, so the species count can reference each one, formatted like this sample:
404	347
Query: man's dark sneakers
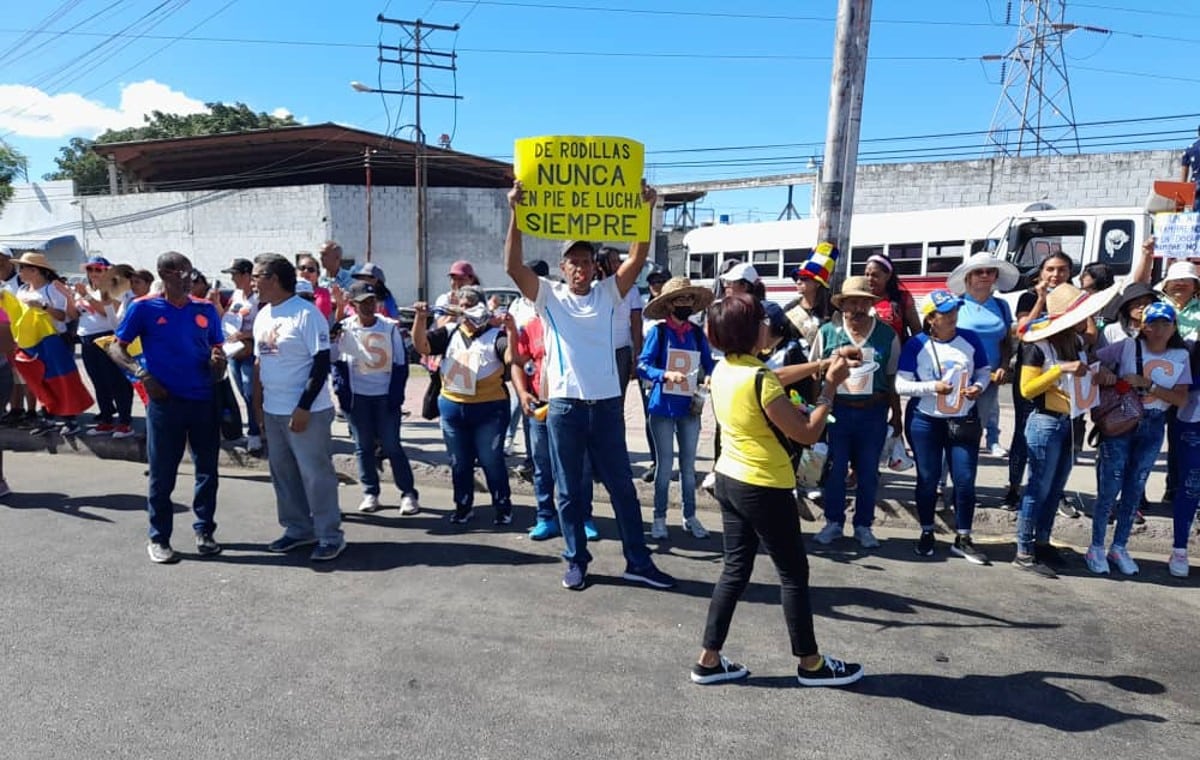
1050	555
286	543
162	554
1068	508
324	552
1029	564
576	576
724	670
1012	500
832	672
206	546
503	516
649	575
925	544
462	516
649	475
964	547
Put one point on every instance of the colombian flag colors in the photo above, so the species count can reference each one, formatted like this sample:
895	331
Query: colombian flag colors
45	360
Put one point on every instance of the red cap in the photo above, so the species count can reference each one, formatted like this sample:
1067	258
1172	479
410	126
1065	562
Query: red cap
461	268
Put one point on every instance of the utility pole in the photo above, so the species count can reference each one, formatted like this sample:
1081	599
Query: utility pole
412	51
842	128
367	166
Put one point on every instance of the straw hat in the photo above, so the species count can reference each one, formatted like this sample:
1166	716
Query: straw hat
1006	277
1067	306
854	287
660	306
39	260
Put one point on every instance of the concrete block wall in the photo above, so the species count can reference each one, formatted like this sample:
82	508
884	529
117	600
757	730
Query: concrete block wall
1102	179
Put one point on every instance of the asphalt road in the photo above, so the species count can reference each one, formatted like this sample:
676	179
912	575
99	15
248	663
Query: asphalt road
426	641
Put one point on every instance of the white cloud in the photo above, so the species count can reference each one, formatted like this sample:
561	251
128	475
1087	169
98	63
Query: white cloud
29	112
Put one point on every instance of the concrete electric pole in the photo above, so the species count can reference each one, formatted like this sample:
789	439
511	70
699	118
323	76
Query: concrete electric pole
841	131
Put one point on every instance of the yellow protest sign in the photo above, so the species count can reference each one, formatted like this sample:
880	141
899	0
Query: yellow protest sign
582	188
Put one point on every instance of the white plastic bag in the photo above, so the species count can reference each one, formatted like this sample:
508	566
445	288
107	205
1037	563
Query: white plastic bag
812	464
894	456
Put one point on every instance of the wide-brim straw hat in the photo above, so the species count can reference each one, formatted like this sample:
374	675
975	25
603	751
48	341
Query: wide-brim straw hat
39	260
854	287
660	306
1066	307
1006	276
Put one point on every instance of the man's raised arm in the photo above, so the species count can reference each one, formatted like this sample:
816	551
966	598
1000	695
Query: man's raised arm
514	255
631	267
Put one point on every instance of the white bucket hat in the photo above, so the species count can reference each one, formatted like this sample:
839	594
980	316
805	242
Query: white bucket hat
1179	270
1006	276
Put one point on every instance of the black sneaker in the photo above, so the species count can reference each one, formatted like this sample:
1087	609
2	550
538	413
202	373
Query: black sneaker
1012	500
503	516
648	477
964	547
649	575
462	516
925	544
161	554
42	428
831	673
575	578
70	429
1050	555
1068	508
1029	564
1139	518
725	670
286	543
206	546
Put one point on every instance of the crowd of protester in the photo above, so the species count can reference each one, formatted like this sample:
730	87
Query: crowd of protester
554	366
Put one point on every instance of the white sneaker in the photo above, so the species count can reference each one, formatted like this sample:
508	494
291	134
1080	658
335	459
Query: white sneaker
253	443
695	527
1119	556
826	535
998	451
866	539
710	481
1179	563
409	505
658	528
509	447
1096	561
370	503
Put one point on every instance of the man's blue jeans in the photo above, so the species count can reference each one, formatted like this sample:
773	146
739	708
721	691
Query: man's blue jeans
1048	441
1124	464
666	431
170	426
930	438
1187	479
857	437
476	432
243	377
371	420
543	473
594	428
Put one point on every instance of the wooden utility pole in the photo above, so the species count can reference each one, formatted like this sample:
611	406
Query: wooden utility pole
842	128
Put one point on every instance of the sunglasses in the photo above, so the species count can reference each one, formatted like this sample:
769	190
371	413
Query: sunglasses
307	268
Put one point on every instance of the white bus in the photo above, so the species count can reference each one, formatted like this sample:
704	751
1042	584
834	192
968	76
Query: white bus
926	246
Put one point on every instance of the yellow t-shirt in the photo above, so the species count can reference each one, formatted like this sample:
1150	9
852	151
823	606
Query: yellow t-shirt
750	452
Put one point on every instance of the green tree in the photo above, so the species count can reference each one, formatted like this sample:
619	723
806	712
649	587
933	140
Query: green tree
77	161
12	166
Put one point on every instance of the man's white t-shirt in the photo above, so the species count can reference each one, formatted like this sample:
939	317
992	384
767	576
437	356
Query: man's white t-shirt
581	360
286	337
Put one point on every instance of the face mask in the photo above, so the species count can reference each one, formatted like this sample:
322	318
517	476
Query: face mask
682	312
478	315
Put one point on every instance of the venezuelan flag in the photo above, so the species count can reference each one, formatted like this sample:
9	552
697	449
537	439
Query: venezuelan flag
47	363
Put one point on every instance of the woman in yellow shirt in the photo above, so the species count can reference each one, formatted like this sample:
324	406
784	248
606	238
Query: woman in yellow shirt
755	482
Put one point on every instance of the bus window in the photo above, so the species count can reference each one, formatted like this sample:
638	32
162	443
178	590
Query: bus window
906	257
944	256
1037	240
1116	245
794	257
702	266
859	256
766	263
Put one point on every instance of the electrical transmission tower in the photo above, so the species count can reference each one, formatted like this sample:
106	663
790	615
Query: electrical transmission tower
1035	114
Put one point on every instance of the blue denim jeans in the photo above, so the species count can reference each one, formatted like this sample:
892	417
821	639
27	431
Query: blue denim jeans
476	432
1186	439
371	420
1018	451
667	430
1124	463
857	437
241	372
1048	442
987	406
931	443
595	429
170	426
543	474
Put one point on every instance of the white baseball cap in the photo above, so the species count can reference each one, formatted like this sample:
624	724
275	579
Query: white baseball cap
741	271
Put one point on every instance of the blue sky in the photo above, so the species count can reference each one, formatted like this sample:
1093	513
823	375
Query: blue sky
685	75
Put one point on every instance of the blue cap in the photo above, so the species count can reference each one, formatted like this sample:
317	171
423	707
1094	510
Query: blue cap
98	261
941	301
1158	310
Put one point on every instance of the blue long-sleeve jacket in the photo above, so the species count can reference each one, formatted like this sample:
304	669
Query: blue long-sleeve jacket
653	361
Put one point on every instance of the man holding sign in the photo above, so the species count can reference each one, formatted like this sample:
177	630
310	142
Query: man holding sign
586	416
